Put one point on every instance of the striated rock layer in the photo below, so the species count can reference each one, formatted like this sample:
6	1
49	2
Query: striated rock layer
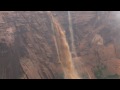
27	46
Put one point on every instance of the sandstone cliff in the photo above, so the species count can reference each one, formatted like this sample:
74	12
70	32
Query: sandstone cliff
27	45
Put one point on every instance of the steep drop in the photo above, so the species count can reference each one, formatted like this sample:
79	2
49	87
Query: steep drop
63	50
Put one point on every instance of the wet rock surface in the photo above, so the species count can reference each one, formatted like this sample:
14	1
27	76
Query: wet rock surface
27	47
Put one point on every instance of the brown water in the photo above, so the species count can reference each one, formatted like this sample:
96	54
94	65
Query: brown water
63	51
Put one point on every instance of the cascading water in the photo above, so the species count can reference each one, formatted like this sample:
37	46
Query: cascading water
71	34
63	50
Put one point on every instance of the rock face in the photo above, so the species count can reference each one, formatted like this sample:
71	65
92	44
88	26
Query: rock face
27	47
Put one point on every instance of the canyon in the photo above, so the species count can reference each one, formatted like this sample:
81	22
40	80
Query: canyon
71	45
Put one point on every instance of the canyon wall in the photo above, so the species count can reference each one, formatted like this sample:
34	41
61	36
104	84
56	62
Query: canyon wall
27	46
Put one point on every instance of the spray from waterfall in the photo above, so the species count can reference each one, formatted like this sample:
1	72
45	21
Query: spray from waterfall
63	50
